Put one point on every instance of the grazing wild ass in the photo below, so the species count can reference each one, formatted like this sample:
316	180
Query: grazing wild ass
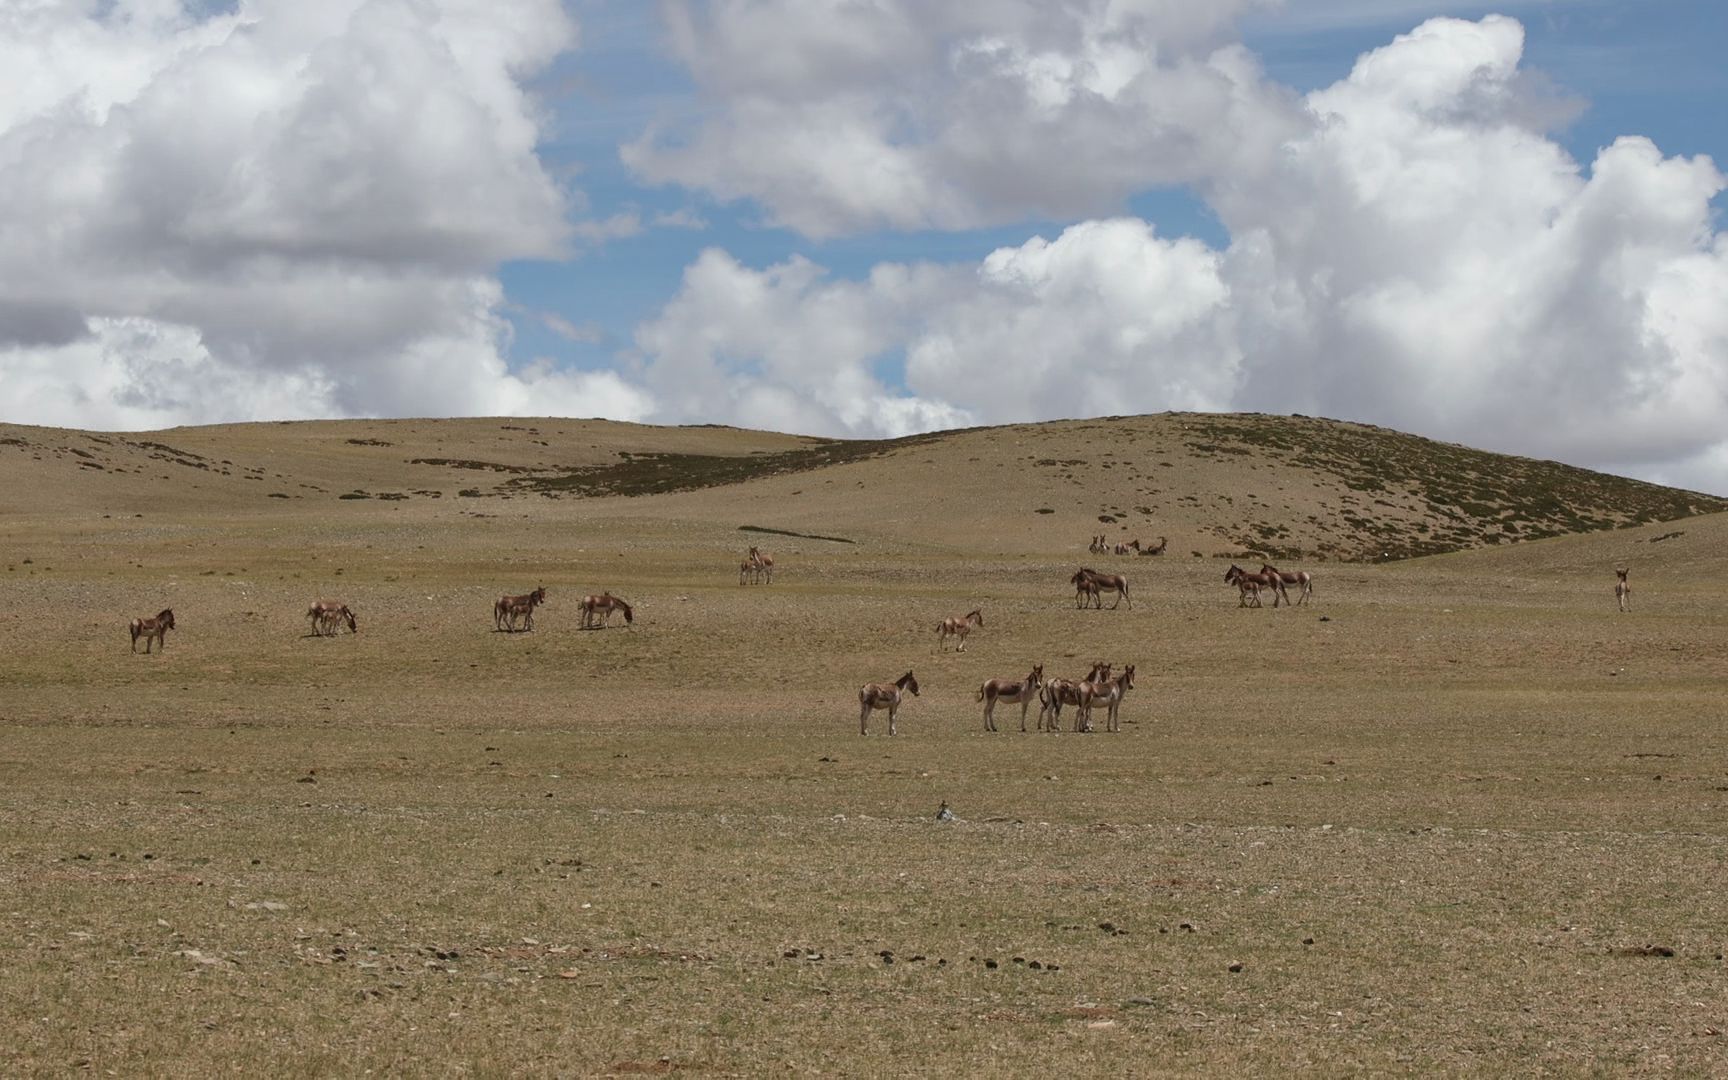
958	626
884	696
1091	584
1014	692
508	608
1622	590
1300	578
155	629
328	616
597	611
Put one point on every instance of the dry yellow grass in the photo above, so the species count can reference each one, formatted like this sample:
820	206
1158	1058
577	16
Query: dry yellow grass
1449	818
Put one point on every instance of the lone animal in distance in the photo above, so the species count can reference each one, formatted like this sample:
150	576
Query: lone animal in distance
764	565
152	629
328	616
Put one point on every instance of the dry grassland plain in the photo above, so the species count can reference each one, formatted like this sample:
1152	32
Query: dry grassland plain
1456	816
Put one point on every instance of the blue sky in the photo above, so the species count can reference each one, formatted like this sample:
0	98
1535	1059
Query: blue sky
873	217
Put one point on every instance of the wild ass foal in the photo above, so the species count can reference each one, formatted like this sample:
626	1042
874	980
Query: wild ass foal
958	626
1085	589
509	608
1249	585
1091	584
328	616
1623	590
883	696
155	629
597	611
1019	692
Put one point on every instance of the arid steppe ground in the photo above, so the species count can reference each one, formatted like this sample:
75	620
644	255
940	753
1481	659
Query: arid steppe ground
1458	815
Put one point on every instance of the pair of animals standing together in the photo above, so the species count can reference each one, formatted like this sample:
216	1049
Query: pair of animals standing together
758	567
596	610
1099	687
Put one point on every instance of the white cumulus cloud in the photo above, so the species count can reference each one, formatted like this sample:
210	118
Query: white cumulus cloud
836	116
289	208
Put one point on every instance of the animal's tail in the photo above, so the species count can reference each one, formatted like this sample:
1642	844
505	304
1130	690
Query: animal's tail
980	692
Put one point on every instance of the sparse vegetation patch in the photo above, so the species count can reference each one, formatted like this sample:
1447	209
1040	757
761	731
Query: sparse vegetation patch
660	473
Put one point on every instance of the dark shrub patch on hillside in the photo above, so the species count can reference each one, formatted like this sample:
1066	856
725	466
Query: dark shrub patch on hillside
656	474
1475	496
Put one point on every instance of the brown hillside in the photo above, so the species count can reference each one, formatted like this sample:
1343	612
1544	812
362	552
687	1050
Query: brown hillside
1289	487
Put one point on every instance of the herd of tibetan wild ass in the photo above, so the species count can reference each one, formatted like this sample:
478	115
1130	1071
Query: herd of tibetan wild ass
1100	687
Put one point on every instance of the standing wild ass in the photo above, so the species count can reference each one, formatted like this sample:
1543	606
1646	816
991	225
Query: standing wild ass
884	696
1623	590
1089	583
1014	692
1107	691
509	608
152	630
764	565
1059	692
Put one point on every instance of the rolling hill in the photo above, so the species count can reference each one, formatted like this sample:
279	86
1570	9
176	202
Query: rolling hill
1292	488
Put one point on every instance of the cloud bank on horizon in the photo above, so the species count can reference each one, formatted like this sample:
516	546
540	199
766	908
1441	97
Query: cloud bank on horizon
301	208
